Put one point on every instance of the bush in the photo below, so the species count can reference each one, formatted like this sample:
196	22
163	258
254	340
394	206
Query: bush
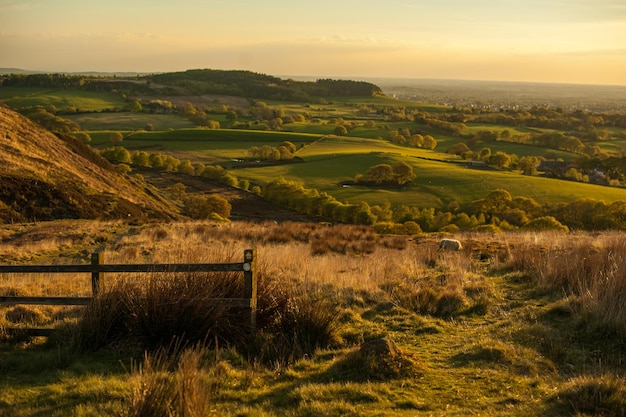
545	223
204	207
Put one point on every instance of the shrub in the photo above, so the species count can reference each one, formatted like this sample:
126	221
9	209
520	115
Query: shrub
203	207
545	223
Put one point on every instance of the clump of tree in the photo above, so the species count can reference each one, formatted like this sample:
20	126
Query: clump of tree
207	207
47	118
414	140
385	174
284	151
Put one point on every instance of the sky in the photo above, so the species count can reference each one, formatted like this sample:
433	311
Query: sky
568	41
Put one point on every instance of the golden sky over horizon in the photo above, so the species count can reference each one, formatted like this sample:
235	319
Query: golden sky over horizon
569	41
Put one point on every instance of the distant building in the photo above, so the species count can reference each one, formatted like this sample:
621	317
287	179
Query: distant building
553	166
476	164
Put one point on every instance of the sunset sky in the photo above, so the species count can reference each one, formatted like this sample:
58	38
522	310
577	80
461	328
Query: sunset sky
572	41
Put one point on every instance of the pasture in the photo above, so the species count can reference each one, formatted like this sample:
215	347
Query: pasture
330	161
63	100
128	121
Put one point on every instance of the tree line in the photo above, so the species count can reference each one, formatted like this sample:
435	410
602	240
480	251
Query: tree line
250	84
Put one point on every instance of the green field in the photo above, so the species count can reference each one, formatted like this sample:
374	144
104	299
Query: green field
128	121
63	100
328	162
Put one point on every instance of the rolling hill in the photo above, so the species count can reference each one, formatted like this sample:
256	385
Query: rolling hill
45	177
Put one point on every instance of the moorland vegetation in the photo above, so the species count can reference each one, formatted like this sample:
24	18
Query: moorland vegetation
350	322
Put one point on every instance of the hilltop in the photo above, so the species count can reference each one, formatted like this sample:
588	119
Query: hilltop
45	177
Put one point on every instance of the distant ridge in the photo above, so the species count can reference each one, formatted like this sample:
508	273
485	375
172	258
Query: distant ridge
7	71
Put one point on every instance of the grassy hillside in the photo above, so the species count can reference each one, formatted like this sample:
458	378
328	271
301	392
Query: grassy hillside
63	99
45	177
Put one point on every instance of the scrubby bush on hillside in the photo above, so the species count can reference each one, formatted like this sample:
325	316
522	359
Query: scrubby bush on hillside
204	207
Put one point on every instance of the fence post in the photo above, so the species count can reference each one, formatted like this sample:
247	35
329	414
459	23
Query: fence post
250	287
96	260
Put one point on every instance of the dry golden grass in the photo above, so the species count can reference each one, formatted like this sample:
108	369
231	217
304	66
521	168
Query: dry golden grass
413	274
506	322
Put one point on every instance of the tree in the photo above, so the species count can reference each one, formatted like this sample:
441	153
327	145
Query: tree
486	136
500	159
403	173
528	165
201	207
185	167
416	140
83	136
484	154
289	145
117	155
123	168
116	137
545	223
141	158
134	106
284	152
341	131
379	174
429	142
459	149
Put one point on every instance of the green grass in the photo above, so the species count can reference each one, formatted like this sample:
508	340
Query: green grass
333	160
128	121
330	161
84	101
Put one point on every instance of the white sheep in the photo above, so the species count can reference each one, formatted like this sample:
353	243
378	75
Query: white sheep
450	244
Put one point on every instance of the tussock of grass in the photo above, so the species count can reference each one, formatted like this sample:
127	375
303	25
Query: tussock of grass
378	359
603	395
153	311
170	384
307	321
493	353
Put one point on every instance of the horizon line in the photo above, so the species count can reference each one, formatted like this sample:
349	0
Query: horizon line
15	70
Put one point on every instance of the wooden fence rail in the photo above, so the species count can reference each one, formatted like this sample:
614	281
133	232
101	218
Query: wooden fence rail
248	301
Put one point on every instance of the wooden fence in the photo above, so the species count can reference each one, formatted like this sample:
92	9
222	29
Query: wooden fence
248	301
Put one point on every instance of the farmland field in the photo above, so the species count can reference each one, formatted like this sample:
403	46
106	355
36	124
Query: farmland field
63	100
128	121
327	162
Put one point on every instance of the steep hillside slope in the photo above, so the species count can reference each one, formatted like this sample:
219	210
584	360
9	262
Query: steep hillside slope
44	177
